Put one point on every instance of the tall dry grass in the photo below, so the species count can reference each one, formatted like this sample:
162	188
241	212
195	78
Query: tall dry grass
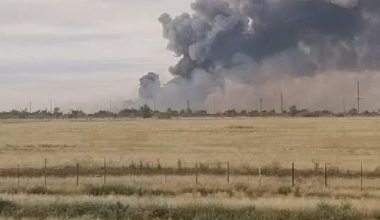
340	141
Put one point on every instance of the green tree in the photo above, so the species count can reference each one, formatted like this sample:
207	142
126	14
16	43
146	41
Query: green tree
146	112
353	111
57	112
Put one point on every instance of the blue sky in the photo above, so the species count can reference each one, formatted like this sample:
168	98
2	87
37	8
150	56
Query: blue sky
82	52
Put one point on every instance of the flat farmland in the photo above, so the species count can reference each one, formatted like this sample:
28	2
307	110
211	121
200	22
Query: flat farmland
143	179
240	141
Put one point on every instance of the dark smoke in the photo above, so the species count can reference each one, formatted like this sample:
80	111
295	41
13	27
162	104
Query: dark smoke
316	34
149	86
248	39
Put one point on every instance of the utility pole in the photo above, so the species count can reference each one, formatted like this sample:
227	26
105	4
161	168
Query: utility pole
344	106
188	105
358	98
30	107
261	105
214	106
51	104
110	106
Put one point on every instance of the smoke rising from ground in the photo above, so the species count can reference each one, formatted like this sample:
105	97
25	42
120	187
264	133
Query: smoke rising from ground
257	42
149	86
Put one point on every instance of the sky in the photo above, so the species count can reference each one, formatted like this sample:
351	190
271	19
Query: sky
86	53
83	53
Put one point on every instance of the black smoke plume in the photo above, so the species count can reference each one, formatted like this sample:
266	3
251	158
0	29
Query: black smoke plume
149	86
248	40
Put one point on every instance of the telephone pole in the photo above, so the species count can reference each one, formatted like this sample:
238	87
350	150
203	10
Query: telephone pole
188	105
51	104
214	106
261	105
344	106
358	98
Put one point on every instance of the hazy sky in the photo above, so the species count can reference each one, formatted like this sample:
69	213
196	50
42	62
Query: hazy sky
82	52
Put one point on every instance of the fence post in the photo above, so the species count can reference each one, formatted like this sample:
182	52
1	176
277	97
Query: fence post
260	174
18	175
196	173
158	164
179	164
45	173
77	174
228	173
105	172
134	173
132	165
165	174
293	174
325	175
361	176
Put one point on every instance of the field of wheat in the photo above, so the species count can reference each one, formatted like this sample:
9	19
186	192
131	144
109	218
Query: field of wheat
190	168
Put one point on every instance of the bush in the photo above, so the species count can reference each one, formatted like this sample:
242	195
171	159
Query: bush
117	211
7	208
284	190
40	190
125	190
164	115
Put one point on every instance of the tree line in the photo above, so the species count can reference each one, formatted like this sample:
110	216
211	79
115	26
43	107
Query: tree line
146	112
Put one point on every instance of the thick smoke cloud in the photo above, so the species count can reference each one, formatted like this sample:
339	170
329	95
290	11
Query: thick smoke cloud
149	86
252	41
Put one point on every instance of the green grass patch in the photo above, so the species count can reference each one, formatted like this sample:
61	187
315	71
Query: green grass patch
118	211
125	190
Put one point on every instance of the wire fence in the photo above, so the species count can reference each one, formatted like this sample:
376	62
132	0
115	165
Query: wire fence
224	170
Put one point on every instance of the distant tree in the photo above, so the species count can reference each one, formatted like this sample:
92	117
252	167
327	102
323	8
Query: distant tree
189	112
76	114
293	111
182	112
366	113
57	112
353	111
146	112
200	112
129	113
231	113
254	113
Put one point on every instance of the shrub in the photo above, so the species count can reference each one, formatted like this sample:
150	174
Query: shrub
40	190
7	208
284	190
125	190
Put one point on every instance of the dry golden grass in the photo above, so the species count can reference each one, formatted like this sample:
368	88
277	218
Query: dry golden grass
345	142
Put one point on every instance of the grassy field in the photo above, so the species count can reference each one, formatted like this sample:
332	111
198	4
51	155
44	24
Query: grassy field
340	141
247	144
